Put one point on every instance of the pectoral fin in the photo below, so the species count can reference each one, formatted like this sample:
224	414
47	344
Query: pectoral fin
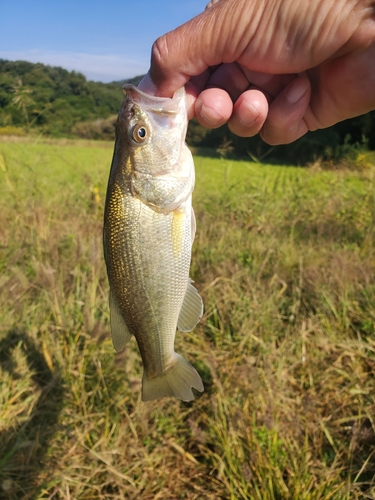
191	310
119	330
193	225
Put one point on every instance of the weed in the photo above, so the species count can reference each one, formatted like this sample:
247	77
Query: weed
284	259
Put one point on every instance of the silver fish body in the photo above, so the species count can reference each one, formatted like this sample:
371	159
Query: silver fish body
149	229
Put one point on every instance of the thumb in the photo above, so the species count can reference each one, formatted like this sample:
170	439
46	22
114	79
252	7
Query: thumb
196	45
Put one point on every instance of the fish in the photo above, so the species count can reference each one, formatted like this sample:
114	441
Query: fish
149	229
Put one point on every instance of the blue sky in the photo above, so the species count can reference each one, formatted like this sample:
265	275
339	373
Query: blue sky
105	40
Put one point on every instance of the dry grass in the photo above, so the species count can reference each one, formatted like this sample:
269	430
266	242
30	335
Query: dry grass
285	261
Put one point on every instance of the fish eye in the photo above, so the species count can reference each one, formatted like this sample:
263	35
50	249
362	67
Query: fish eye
140	133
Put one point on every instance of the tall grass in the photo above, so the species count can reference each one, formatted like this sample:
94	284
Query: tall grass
284	259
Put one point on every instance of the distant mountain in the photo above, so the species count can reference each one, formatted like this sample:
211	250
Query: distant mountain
53	99
58	102
134	81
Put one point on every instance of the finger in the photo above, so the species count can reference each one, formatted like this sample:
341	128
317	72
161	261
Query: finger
269	83
193	88
213	108
285	122
343	88
230	78
249	113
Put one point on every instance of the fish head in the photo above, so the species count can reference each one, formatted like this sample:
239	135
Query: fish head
152	131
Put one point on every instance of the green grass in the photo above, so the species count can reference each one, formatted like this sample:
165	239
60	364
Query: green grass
284	259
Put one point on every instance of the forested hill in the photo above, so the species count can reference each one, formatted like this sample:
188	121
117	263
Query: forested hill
57	102
53	99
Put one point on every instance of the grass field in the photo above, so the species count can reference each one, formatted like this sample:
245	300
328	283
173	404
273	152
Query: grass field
284	259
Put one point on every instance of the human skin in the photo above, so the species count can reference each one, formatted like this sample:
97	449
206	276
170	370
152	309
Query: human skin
274	67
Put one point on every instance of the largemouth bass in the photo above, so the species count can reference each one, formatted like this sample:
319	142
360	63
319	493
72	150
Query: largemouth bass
149	228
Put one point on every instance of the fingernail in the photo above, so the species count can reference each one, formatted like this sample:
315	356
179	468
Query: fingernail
247	114
210	115
296	91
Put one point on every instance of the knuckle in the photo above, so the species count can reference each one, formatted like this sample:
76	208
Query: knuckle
160	52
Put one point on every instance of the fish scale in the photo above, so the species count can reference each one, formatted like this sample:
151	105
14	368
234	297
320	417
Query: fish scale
148	231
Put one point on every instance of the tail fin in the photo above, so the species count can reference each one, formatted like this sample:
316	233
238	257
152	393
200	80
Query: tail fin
176	382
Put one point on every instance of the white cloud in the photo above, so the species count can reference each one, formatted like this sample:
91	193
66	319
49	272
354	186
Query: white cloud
104	68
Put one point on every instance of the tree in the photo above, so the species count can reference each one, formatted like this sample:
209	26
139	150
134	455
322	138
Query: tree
22	99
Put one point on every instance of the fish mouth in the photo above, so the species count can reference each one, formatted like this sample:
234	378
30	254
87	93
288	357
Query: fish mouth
160	105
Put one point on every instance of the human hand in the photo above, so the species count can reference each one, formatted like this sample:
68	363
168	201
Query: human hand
278	68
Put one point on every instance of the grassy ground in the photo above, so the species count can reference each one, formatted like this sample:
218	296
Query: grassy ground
285	261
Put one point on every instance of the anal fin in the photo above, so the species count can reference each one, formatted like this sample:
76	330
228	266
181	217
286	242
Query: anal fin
119	331
191	310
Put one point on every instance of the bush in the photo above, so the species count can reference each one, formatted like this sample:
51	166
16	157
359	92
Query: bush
9	130
98	129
